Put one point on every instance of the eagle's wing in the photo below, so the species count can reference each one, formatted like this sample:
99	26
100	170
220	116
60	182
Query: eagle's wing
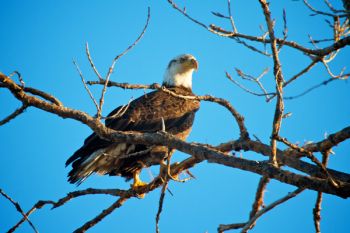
144	114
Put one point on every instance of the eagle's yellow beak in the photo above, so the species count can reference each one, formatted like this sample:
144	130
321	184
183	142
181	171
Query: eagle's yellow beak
191	64
194	63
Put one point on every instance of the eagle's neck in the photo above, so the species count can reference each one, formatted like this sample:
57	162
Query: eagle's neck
178	79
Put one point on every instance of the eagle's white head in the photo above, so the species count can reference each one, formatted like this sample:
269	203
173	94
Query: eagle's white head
179	71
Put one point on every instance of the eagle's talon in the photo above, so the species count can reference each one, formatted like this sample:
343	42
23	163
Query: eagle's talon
138	185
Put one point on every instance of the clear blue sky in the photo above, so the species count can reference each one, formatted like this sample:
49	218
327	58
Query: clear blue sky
40	38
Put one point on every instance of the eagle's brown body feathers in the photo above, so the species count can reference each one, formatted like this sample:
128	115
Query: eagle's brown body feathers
144	115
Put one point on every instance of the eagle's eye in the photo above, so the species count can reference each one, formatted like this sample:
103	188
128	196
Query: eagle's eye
182	59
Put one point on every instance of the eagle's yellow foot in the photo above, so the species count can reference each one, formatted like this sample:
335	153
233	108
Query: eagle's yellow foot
138	184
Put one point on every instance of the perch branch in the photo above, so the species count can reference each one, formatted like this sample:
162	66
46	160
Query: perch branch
200	152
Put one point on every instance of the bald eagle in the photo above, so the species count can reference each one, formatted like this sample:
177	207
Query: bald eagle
148	113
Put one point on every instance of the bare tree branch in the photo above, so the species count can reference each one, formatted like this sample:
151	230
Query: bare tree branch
160	205
13	115
270	207
111	68
19	209
317	177
87	50
311	89
259	196
261	39
277	70
309	155
317	12
317	209
265	94
163	138
101	216
85	86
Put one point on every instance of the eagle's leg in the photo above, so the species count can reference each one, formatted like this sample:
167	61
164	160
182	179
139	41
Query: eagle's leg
138	183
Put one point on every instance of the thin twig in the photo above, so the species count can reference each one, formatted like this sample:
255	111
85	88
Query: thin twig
68	197
317	209
19	76
19	209
259	196
160	206
270	207
317	12
230	16
13	115
303	71
85	86
91	62
339	76
296	76
330	6
252	79
101	216
285	30
311	89
244	88
120	112
111	68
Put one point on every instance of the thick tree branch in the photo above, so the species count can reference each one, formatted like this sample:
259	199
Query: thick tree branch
289	158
